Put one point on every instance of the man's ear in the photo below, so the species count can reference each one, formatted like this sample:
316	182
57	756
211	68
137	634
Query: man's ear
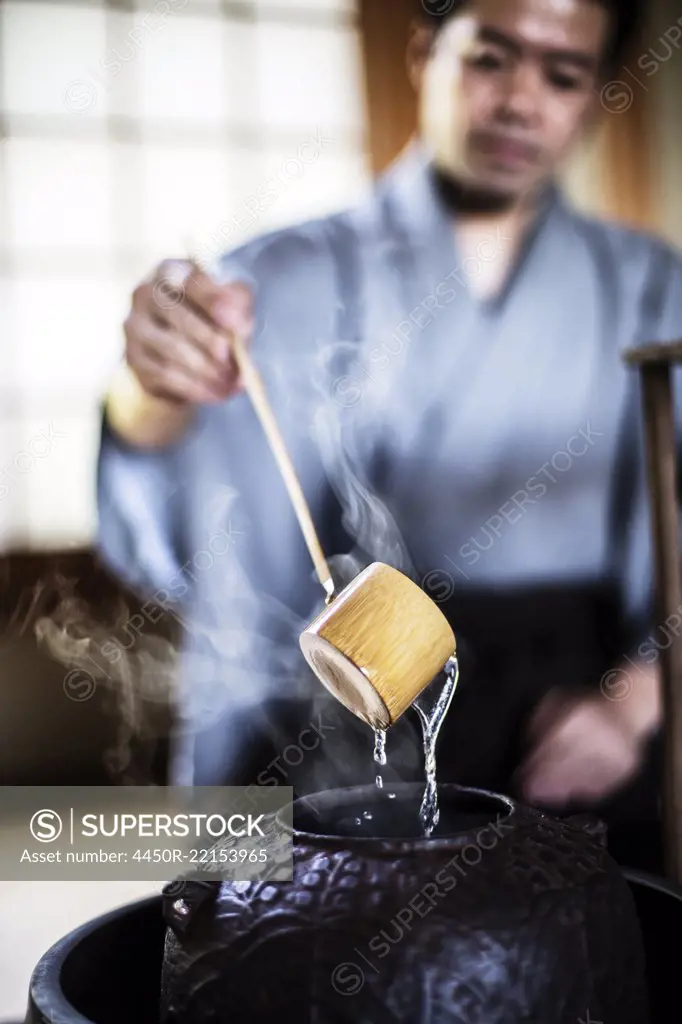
419	48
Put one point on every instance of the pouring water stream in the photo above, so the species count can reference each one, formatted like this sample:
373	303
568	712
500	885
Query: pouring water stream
432	706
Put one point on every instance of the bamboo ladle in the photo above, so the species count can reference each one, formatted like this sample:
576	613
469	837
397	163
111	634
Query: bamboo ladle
381	640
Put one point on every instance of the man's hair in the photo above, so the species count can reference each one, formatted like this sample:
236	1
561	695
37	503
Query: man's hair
626	16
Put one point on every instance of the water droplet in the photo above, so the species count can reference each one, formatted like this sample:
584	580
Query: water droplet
379	753
380	746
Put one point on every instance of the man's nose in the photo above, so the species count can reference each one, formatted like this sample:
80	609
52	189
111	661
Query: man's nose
523	92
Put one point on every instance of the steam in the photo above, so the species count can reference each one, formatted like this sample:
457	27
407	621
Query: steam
227	650
107	656
349	441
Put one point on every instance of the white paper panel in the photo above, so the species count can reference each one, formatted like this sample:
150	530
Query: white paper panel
241	54
59	194
60	490
69	341
181	71
128	199
309	76
176	7
8	353
333	6
47	53
271	79
188	192
116	71
47	484
237	216
334	181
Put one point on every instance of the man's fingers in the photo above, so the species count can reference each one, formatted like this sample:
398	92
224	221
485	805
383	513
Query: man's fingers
162	353
185	321
546	778
178	333
163	381
184	355
578	760
192	325
167	346
545	715
540	759
556	778
229	306
233	310
177	284
200	289
168	284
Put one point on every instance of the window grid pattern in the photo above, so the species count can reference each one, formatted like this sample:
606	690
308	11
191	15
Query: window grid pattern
131	130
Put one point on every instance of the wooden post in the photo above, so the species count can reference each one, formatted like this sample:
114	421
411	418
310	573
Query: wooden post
655	365
391	100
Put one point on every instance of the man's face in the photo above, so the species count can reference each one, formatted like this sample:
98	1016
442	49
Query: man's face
507	88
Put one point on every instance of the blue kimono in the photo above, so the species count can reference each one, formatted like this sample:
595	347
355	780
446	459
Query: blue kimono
491	449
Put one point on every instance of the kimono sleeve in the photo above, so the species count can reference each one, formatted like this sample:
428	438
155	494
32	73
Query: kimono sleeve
139	534
141	498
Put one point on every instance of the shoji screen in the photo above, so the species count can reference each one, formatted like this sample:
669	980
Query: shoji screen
129	131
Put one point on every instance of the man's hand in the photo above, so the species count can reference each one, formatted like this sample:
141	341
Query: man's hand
583	748
177	334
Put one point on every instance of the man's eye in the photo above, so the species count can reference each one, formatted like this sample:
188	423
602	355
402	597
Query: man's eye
564	81
486	61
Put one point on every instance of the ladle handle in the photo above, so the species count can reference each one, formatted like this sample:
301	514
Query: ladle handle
256	391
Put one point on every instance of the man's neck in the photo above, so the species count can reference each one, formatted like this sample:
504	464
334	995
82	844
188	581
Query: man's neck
465	201
476	216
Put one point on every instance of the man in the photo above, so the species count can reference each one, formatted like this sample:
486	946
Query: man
446	365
